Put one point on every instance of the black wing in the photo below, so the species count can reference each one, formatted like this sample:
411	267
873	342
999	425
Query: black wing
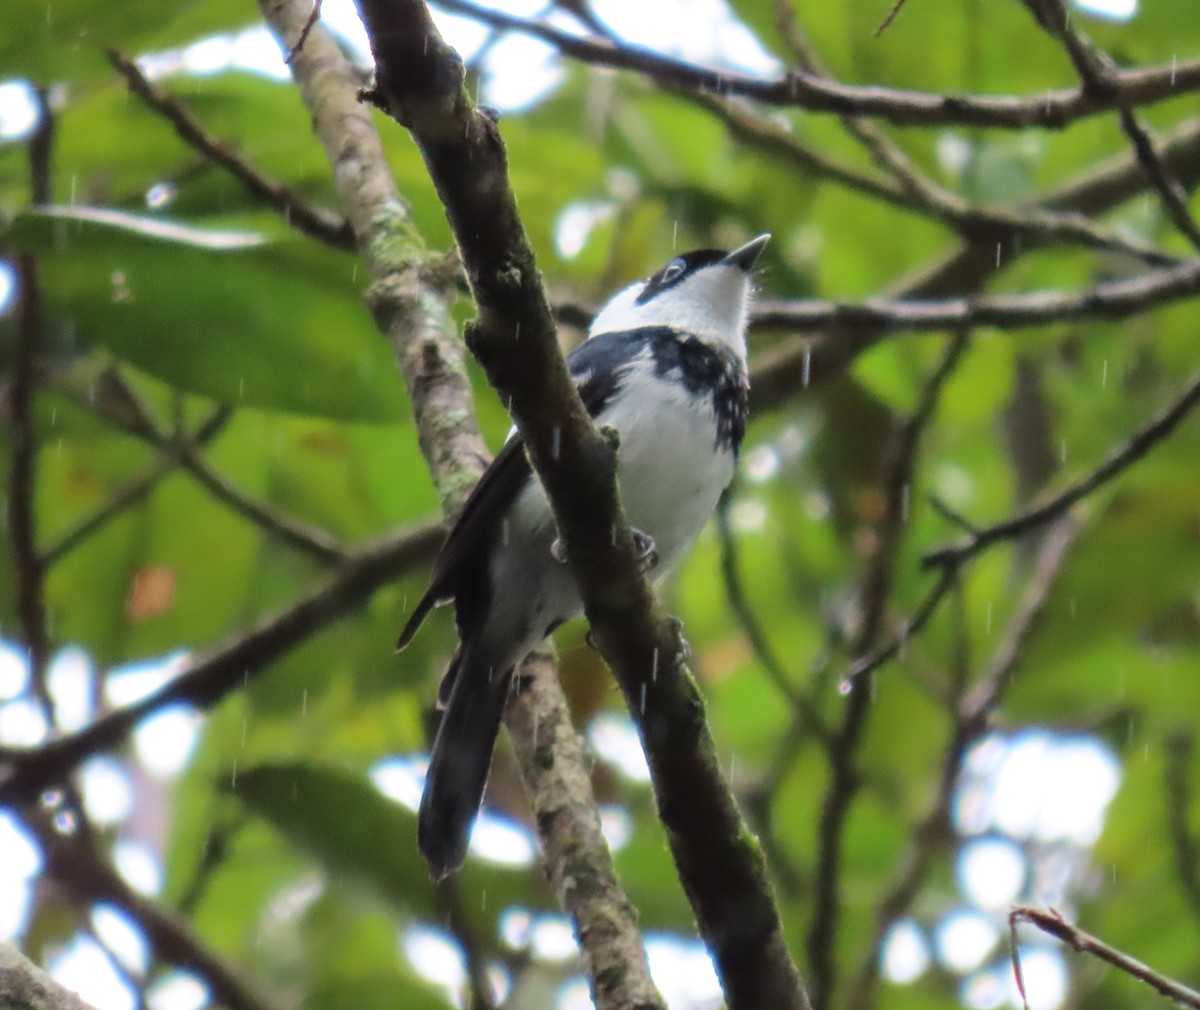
596	365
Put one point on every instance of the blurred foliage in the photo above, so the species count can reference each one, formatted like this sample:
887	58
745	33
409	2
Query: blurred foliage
159	265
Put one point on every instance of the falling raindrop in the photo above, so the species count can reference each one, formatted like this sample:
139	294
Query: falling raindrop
159	195
233	775
987	621
807	367
675	235
642	700
904	496
998	252
1104	375
654	667
556	443
304	702
1063	450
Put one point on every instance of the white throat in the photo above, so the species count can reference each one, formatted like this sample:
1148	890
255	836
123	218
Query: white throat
711	304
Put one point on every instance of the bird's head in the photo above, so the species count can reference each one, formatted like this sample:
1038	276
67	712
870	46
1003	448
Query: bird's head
705	293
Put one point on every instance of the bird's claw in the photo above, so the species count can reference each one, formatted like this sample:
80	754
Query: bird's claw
683	646
647	552
643	544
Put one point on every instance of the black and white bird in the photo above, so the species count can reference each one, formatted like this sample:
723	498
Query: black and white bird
664	364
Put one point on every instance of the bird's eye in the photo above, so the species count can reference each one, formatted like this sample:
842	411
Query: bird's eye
673	270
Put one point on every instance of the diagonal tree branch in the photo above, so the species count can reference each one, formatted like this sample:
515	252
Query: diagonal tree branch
87	878
1050	109
1108	300
134	490
842	748
933	833
207	678
1100	76
121	407
409	301
1180	747
796	363
420	82
1135	447
315	222
1053	923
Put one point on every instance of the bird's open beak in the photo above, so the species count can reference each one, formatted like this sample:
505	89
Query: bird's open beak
746	255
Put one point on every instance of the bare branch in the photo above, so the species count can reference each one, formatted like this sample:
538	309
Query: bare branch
123	408
808	719
1180	748
555	766
1050	109
1118	299
794	364
1124	456
133	491
933	833
420	83
207	678
843	745
408	300
24	986
1100	76
1053	923
316	222
87	877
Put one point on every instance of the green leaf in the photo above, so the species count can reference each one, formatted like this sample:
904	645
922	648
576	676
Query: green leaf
238	316
347	825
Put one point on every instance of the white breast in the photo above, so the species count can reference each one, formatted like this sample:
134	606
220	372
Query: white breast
671	474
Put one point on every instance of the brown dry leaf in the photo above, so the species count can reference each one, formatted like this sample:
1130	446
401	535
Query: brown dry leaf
152	593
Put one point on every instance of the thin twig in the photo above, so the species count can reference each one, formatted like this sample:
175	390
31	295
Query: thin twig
1179	750
933	832
132	491
207	678
21	512
801	362
910	191
1108	300
1052	922
316	222
808	718
124	408
886	23
1050	109
313	17
1101	75
844	774
1120	459
22	478
87	878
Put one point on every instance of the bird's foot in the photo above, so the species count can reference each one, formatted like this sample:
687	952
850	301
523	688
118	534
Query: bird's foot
683	646
643	544
647	552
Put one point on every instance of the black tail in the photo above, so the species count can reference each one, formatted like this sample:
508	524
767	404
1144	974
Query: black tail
458	766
